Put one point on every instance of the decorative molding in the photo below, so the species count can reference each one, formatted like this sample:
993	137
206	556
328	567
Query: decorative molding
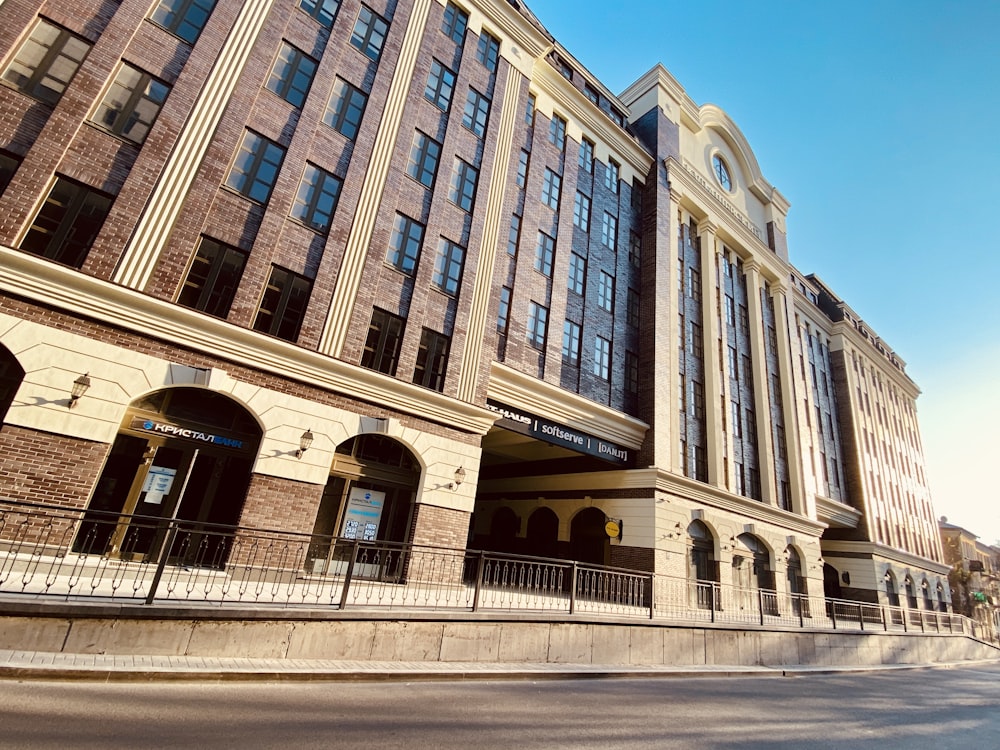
837	515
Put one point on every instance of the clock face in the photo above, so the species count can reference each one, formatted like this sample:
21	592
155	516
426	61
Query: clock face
722	172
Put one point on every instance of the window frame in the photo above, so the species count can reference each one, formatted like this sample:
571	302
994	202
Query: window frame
602	358
572	333
123	119
181	11
434	348
476	115
488	51
247	178
538	325
287	82
551	189
370	41
449	265
440	86
313	203
405	243
61	219
342	111
581	211
318	10
28	72
421	150
463	186
383	342
285	321
577	277
454	23
545	253
211	298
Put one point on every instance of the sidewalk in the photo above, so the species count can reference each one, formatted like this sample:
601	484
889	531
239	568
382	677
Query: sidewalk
31	665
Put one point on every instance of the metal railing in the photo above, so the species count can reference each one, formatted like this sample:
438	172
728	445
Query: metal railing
53	552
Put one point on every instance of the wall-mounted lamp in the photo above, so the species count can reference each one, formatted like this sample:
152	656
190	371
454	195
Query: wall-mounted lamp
304	443
459	478
80	386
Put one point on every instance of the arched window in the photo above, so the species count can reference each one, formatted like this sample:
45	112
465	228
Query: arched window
11	375
911	593
543	533
891	592
703	569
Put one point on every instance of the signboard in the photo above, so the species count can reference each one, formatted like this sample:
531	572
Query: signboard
363	514
556	434
170	430
159	480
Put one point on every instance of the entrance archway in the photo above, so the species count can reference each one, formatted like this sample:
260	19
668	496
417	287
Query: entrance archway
11	375
181	454
543	533
703	569
589	541
831	582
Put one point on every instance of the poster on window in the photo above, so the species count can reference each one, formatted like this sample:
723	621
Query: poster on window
364	511
159	480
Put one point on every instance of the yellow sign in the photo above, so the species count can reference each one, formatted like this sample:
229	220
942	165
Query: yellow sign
612	529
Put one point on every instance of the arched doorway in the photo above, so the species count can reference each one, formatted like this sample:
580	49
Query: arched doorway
588	540
11	375
752	574
181	454
796	582
911	593
891	592
703	568
831	582
543	533
504	528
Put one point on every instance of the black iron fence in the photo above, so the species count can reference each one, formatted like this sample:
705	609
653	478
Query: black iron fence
54	552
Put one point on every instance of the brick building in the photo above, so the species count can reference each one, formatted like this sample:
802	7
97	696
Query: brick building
408	271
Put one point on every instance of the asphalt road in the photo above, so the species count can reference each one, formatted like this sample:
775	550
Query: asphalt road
912	709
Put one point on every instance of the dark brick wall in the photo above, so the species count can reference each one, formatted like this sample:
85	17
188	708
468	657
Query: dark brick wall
277	503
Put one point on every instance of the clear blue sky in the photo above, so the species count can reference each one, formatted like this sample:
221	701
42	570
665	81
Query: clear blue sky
878	120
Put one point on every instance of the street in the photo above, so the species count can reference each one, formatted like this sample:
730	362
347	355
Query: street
927	708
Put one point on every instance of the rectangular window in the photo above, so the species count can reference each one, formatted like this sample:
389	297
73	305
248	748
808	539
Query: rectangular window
404	244
283	306
565	70
46	62
488	50
8	166
463	185
369	33
634	250
602	358
385	339
581	212
448	267
291	75
432	360
737	420
631	374
455	22
557	132
255	169
477	112
529	110
606	291
698	399
551	186
514	235
586	159
424	155
345	109
503	311
212	280
697	341
611	175
317	198
545	251
522	169
324	11
185	18
538	323
609	231
571	344
440	86
67	223
577	273
131	105
694	283
591	93
632	308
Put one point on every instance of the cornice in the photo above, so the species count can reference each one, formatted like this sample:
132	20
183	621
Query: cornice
888	553
523	36
847	329
66	289
836	514
546	400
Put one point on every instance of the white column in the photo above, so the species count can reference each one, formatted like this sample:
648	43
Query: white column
765	445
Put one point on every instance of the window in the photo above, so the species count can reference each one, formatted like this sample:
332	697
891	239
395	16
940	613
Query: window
255	169
565	70
503	312
606	291
448	266
557	132
591	93
736	419
722	173
131	105
514	235
611	175
544	253
185	18
463	185
432	360
698	399
488	50
581	212
213	278
697	339
455	22
631	374
577	273
693	283
634	250
385	339
440	86
424	155
345	109
571	344
291	75
632	308
551	185
477	112
369	33
529	110
609	231
538	322
324	11
46	62
586	158
522	169
602	358
404	244
68	223
283	306
316	200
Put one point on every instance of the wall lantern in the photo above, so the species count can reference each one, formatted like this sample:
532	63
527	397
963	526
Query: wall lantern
304	443
459	478
80	386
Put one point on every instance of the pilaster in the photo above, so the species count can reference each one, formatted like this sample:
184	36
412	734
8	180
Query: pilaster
765	445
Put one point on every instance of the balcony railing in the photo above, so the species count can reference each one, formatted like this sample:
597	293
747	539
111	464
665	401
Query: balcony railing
48	552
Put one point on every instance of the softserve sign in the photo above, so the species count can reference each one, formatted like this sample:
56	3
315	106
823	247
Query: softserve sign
557	434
